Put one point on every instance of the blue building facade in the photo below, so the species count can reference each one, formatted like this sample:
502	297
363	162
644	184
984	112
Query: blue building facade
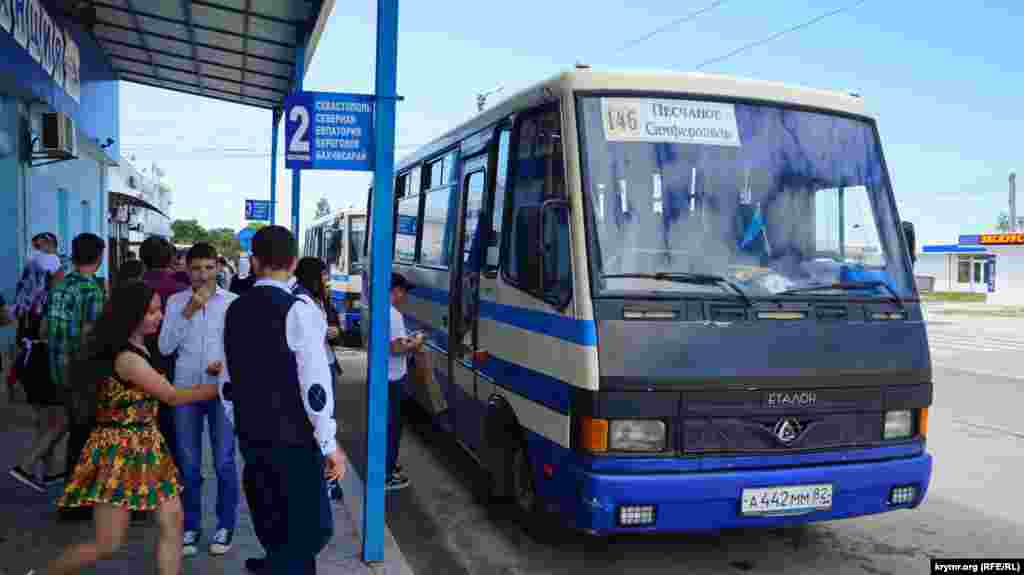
49	63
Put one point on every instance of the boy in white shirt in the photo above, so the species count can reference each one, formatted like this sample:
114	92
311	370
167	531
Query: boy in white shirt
401	346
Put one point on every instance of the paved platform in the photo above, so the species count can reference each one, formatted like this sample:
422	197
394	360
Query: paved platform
30	534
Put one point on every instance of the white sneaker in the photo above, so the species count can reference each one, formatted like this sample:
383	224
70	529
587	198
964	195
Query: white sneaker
188	547
221	541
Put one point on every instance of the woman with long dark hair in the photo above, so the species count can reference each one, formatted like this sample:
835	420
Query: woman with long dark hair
126	464
311	284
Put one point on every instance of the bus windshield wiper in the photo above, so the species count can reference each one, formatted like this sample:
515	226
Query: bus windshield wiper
690	278
848	286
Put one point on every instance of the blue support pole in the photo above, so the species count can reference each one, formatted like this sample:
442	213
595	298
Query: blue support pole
381	249
300	71
273	165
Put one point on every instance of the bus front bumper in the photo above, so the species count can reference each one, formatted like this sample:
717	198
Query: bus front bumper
710	501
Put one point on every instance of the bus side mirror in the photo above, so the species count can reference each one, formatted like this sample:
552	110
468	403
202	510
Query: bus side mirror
542	251
555	250
528	247
911	237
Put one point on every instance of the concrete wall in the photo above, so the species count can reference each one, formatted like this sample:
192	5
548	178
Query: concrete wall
11	193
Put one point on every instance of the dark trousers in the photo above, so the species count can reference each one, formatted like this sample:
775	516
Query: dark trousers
288	501
394	432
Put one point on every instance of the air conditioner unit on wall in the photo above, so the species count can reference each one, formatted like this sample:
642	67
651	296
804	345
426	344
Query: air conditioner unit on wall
59	139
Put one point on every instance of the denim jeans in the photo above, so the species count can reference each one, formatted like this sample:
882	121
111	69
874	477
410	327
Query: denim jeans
394	432
188	423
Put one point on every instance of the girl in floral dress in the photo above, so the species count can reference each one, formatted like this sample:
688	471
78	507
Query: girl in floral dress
126	465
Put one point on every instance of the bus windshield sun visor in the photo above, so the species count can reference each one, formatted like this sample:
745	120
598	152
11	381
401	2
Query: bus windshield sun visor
689	278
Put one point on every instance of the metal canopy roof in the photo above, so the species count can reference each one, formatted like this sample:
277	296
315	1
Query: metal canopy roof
241	51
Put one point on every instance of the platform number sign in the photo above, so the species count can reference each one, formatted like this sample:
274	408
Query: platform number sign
299	142
329	131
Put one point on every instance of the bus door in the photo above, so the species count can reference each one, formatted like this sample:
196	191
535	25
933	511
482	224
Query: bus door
464	304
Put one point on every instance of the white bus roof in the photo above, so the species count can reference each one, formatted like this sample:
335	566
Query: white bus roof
690	83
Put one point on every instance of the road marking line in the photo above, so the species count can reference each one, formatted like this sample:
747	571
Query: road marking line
989	427
977	371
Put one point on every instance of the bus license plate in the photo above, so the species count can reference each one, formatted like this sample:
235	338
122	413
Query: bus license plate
789	500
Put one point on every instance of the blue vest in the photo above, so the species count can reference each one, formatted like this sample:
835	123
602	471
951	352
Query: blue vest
264	375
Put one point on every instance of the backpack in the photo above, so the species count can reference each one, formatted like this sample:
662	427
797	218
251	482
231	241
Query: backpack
87	370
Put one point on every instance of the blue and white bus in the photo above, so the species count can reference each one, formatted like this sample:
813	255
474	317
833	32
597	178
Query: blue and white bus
338	239
670	302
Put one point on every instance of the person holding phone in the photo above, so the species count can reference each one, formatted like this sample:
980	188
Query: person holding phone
401	346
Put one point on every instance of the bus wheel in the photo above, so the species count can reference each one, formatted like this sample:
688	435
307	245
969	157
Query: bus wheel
535	522
524	487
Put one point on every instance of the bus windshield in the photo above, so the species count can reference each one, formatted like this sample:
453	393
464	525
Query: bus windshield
770	198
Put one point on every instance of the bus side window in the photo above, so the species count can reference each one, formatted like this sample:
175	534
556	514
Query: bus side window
407	229
537	175
499	199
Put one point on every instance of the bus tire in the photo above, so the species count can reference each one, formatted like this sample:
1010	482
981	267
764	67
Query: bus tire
536	522
524	484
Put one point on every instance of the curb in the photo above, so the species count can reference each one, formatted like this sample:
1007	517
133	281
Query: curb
352	485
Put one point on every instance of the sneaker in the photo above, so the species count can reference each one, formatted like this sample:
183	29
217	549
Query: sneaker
26	479
221	541
396	482
189	544
256	564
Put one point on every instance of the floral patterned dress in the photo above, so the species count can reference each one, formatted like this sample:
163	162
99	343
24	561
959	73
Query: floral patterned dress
126	461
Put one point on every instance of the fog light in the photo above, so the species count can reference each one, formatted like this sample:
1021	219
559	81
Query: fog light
636	515
903	495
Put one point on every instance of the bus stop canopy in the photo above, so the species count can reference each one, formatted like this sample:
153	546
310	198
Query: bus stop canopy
240	51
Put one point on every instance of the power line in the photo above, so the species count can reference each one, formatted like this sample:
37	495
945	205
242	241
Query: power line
676	22
801	26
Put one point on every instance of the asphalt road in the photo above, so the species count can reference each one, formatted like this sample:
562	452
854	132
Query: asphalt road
973	508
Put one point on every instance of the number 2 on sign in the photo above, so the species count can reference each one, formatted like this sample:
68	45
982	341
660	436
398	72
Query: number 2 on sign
298	143
622	120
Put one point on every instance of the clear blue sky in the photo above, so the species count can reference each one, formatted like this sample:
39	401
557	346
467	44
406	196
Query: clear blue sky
943	79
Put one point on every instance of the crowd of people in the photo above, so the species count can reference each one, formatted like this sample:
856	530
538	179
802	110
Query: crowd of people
131	380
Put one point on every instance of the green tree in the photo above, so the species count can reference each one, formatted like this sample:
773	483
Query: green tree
226	242
187	232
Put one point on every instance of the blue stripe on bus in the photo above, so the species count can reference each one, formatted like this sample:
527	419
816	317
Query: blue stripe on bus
340	277
538	387
581	332
521	380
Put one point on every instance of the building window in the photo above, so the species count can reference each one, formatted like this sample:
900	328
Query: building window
963	270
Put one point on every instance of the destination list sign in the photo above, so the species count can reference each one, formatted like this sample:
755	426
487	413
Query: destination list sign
329	131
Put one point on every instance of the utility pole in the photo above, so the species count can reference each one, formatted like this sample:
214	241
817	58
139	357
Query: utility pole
1013	201
481	98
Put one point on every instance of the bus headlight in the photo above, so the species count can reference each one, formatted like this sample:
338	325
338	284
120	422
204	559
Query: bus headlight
898	425
636	435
